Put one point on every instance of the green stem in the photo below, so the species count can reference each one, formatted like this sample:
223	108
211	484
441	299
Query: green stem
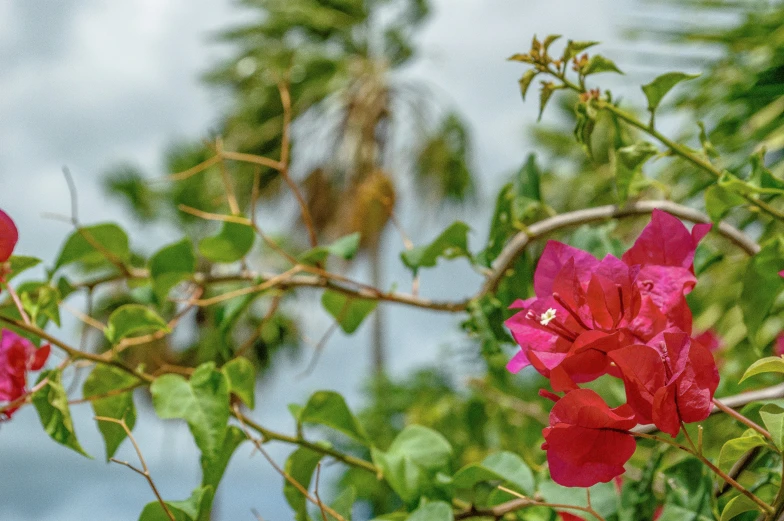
676	148
716	470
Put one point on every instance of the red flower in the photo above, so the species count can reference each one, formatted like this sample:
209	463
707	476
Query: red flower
8	236
587	442
586	308
779	349
17	356
669	383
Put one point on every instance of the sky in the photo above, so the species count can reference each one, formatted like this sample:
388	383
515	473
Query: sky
88	83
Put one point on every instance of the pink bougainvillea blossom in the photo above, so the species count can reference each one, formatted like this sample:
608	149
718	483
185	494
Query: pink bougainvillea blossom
8	236
586	441
670	381
17	356
586	308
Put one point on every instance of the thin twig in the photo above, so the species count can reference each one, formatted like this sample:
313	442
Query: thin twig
204	165
214	216
285	99
738	416
268	434
267	284
296	484
18	303
227	184
316	492
716	470
144	471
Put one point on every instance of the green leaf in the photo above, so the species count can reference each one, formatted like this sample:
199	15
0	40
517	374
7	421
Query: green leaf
762	285
344	504
604	497
81	246
502	466
672	512
329	408
733	449
736	506
574	48
230	245
548	41
18	264
719	201
346	248
202	401
412	461
432	511
213	467
300	465
105	379
628	164
452	243
51	402
171	265
40	300
586	123
773	418
755	186
638	500
527	181
348	311
762	177
597	64
525	81
769	364
132	320
658	88
192	509
689	492
545	93
241	376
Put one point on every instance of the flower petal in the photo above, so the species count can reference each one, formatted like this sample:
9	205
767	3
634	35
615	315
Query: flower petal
8	236
554	257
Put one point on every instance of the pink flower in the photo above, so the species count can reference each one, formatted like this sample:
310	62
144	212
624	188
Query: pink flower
586	308
587	442
8	236
17	356
670	381
779	349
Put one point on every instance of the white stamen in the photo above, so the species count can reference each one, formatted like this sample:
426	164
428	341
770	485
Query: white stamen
547	316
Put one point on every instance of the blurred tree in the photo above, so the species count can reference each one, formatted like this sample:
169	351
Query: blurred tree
358	127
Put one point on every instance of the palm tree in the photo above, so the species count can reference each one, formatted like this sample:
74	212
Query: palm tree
358	128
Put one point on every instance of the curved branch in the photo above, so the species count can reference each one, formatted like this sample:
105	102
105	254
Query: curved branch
502	264
602	213
736	401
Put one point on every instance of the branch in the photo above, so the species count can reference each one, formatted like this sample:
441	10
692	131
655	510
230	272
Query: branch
268	435
296	484
502	264
736	401
519	242
144	471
